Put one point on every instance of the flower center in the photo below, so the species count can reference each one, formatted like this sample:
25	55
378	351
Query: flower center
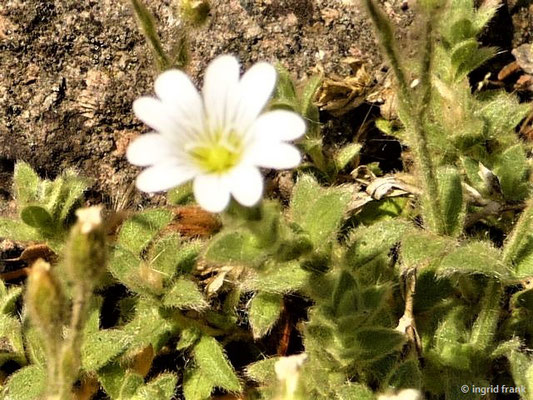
219	154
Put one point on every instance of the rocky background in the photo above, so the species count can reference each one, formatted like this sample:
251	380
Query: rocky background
70	70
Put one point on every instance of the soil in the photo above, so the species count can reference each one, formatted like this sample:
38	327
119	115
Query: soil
70	70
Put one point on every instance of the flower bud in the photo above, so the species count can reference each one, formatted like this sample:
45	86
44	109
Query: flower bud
86	251
45	300
194	12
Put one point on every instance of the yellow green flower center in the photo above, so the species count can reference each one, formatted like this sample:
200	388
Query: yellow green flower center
218	154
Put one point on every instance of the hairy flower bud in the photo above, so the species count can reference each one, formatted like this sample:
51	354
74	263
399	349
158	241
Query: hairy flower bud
86	251
45	300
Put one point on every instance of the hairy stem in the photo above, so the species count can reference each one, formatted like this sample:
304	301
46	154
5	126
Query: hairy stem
414	112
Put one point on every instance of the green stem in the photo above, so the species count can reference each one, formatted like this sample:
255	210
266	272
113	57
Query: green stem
414	112
147	26
68	362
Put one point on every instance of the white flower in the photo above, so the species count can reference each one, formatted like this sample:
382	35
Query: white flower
219	140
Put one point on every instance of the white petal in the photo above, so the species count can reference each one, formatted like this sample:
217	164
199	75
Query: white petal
148	149
246	185
274	155
255	89
154	114
178	93
278	125
211	192
162	177
220	83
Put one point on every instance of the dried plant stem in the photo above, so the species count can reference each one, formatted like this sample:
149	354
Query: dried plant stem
407	324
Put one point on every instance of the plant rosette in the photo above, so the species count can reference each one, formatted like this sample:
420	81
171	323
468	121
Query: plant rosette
218	139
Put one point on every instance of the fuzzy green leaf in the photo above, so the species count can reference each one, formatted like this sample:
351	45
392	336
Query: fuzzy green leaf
512	169
346	154
184	294
264	311
119	383
211	360
37	217
352	391
197	385
160	388
263	371
11	344
238	247
451	198
149	327
28	383
35	346
181	195
163	256
279	278
522	371
188	338
124	266
26	184
285	92
138	231
501	111
406	375
307	108
318	211
369	344
474	257
370	242
101	347
17	230
422	249
73	190
8	297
